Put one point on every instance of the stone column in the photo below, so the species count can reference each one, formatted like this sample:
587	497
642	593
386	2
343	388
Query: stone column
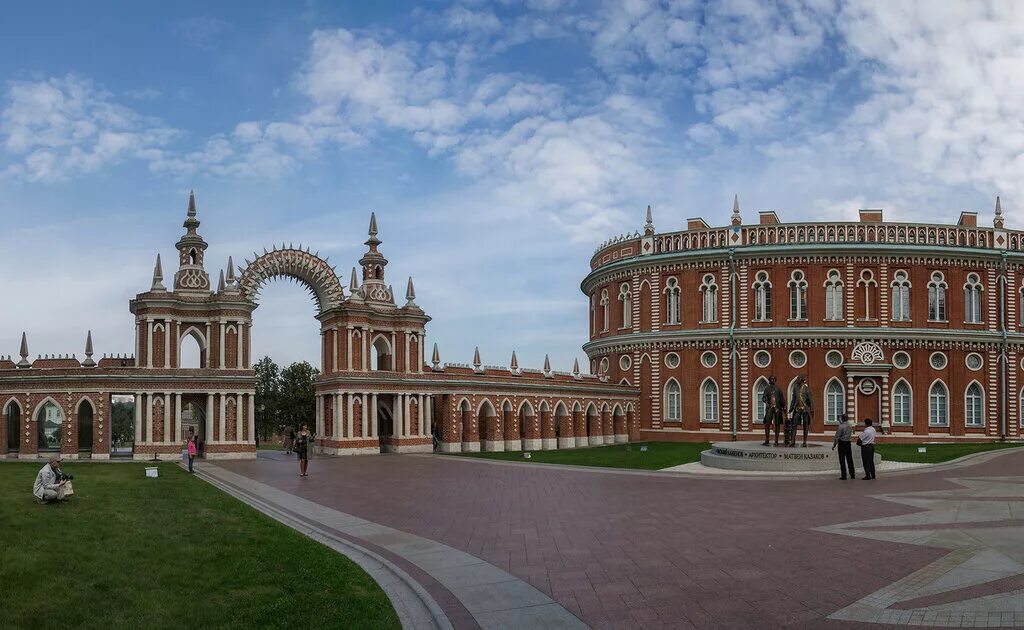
349	425
149	417
429	403
149	343
366	352
223	336
223	424
398	413
209	346
209	418
366	417
252	418
138	416
373	416
177	417
167	343
419	408
238	418
334	354
238	344
348	350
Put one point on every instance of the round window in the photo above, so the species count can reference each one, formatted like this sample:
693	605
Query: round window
901	360
867	386
834	358
974	361
937	360
604	365
708	359
797	358
762	359
672	360
625	362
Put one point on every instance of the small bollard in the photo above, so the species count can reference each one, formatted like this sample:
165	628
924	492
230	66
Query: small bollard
526	455
922	449
643	449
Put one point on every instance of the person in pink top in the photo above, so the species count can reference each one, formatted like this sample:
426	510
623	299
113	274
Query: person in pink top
191	453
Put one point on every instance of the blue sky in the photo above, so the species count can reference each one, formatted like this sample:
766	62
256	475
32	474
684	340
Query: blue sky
498	142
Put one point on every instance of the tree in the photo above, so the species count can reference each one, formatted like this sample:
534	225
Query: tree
268	397
123	421
298	395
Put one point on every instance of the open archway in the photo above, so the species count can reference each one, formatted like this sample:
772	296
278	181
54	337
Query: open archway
12	416
85	416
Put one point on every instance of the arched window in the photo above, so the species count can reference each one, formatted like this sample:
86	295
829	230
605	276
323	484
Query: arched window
709	401
626	297
672	301
974	406
833	296
972	299
48	421
797	295
867	281
759	407
192	257
762	297
673	413
13	419
834	401
901	404
604	310
938	405
709	294
380	355
85	418
937	297
900	297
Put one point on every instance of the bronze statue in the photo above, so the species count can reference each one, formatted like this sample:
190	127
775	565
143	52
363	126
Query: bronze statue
800	410
774	409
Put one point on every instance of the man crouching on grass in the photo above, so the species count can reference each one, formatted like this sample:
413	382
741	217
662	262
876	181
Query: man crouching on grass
50	483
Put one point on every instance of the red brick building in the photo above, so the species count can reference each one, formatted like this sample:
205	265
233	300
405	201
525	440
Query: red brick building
375	391
916	325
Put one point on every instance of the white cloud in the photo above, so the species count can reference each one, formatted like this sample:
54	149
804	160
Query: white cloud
60	127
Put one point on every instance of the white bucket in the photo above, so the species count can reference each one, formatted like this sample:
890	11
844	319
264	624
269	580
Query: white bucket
152	471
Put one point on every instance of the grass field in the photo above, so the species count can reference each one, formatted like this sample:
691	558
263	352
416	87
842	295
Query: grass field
658	455
665	454
172	552
935	453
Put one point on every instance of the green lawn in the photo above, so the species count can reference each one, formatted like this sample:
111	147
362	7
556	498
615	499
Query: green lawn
658	455
935	452
172	552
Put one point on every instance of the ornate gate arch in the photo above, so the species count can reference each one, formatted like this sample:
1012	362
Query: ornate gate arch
308	268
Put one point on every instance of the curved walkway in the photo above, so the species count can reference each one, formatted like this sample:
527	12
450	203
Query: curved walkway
618	549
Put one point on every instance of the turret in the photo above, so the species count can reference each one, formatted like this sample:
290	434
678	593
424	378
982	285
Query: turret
191	277
373	264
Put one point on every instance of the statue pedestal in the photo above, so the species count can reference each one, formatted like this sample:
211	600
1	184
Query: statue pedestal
755	456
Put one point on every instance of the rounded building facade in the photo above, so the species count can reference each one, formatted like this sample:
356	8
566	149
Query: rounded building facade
919	327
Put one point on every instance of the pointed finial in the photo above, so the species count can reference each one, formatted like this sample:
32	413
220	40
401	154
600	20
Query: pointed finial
649	226
373	224
998	221
547	364
514	365
191	203
231	271
158	276
355	281
576	367
435	359
476	357
88	351
736	220
410	294
24	352
220	283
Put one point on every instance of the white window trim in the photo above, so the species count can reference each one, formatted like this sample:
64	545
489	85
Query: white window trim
931	423
842	400
718	402
910	406
668	406
981	421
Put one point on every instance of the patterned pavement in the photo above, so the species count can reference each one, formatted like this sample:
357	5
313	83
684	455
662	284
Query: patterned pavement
629	549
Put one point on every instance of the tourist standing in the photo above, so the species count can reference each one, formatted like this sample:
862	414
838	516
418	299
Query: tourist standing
843	439
302	444
289	439
192	450
866	441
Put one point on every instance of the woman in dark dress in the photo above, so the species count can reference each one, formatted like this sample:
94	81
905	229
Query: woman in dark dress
302	444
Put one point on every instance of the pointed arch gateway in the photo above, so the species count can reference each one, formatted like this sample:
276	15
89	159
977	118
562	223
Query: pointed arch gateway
85	414
12	418
489	423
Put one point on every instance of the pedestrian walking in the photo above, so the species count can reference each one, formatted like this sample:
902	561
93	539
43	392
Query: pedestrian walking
302	444
866	441
844	440
192	450
289	439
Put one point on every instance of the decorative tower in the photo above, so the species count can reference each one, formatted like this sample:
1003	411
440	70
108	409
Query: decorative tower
373	264
191	277
736	219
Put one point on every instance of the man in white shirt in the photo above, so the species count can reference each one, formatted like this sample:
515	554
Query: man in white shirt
867	449
47	488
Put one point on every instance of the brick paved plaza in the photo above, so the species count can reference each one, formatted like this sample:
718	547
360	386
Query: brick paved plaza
627	549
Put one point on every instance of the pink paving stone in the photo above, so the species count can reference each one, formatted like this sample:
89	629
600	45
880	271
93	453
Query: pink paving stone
682	543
